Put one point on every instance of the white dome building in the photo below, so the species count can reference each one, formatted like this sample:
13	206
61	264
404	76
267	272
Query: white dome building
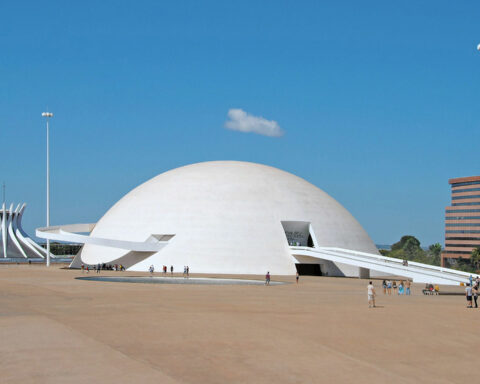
227	217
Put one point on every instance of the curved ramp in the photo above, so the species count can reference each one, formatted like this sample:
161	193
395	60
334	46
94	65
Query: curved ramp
418	272
67	233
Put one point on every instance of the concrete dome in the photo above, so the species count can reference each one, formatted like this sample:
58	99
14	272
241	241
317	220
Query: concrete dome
227	218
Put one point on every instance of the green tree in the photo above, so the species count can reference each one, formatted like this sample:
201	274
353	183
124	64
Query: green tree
435	251
411	240
412	248
475	258
384	252
408	248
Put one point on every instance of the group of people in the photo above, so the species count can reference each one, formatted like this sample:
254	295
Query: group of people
268	277
431	289
471	291
106	267
403	288
186	270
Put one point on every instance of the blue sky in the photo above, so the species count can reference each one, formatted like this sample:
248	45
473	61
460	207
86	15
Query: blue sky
379	101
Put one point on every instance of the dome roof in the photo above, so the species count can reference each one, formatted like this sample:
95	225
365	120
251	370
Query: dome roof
226	217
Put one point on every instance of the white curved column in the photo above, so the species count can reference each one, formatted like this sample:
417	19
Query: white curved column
37	249
4	230
25	240
11	220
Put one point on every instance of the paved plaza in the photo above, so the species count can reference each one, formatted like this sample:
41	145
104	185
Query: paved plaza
58	329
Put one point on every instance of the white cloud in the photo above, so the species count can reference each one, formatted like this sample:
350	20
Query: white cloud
244	122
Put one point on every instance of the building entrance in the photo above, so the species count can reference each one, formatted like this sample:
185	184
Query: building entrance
309	269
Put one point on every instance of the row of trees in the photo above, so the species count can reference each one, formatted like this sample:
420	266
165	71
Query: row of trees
408	248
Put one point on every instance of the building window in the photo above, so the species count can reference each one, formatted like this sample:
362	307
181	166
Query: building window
461	210
462	238
466	183
465	197
475	203
466	190
463	231
463	245
462	252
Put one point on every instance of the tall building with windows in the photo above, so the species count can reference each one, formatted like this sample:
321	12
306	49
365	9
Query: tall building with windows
462	219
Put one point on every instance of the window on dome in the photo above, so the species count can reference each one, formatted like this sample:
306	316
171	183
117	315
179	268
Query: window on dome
298	233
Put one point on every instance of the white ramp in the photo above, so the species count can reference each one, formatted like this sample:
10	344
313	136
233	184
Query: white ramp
418	272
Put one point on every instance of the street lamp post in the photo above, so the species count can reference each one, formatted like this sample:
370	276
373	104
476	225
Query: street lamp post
48	115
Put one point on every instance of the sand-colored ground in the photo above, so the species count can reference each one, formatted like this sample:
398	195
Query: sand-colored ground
55	329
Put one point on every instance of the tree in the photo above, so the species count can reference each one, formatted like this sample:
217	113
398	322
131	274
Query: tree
408	248
411	240
412	248
475	258
435	250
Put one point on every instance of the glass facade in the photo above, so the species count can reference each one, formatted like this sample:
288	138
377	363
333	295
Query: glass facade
474	203
462	238
466	197
466	183
463	252
461	210
463	245
465	190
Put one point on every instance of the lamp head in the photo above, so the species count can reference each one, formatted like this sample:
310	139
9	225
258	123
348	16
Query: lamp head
47	114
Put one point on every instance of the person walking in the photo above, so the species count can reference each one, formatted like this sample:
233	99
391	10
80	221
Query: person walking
267	278
470	279
371	295
188	271
98	268
171	269
468	294
151	269
475	294
394	286
389	287
384	286
297	276
83	268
